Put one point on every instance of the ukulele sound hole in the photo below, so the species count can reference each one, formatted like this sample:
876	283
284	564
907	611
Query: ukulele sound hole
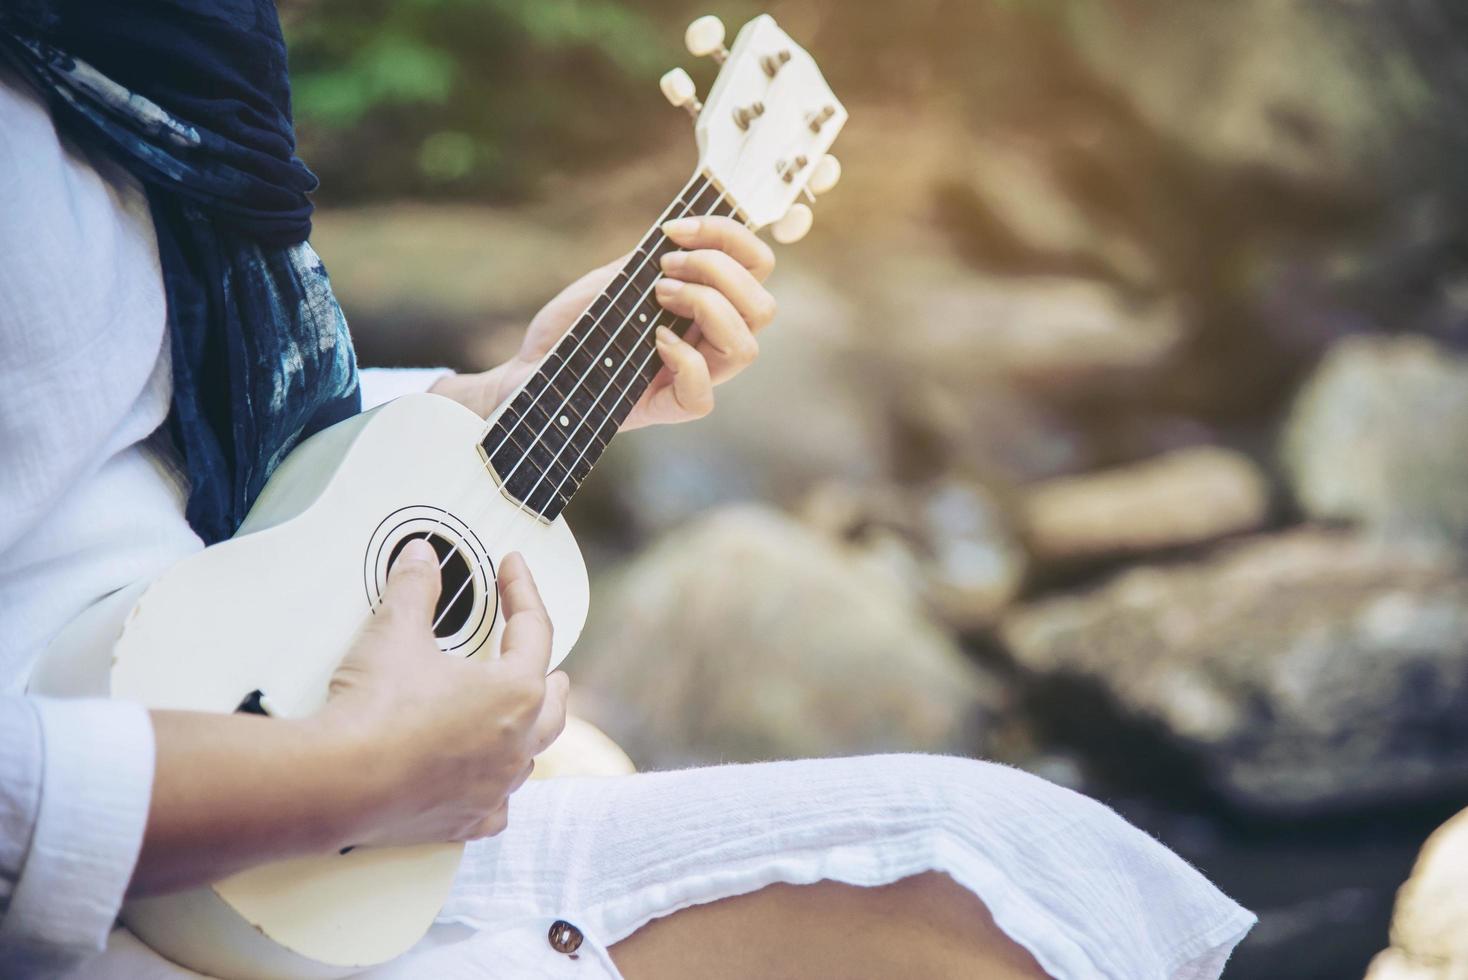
456	592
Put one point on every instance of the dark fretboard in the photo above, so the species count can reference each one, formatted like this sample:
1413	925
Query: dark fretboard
559	423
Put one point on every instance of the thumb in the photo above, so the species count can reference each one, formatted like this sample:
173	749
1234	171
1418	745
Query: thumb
413	583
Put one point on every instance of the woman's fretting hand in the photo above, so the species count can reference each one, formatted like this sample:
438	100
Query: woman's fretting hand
716	280
443	741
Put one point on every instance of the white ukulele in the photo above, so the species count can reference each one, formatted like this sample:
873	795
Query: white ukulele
258	623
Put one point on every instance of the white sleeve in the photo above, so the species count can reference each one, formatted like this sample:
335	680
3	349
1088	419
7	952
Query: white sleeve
382	385
76	777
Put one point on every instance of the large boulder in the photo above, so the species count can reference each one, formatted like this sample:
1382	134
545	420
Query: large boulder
1041	333
1182	498
1379	436
748	636
1299	674
1429	936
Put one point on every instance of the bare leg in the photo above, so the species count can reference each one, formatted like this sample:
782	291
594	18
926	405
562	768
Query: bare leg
923	926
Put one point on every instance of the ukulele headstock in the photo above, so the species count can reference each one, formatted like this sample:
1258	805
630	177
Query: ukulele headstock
764	131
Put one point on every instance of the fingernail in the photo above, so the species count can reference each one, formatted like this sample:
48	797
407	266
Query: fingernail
680	226
418	550
668	287
667	336
674	261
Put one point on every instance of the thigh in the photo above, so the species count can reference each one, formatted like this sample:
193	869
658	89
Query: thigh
925	926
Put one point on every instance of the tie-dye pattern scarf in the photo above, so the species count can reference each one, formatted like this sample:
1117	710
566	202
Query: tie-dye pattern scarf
193	99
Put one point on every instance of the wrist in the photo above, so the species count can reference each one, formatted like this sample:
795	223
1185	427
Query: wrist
343	772
480	393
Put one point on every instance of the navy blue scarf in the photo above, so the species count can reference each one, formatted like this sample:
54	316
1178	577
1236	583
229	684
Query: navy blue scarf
193	98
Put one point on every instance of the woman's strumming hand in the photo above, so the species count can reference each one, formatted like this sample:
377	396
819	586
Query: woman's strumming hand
444	741
717	280
411	745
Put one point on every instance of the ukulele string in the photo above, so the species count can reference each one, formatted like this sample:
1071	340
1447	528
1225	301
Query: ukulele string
515	531
566	358
555	458
522	504
616	373
620	398
520	508
687	206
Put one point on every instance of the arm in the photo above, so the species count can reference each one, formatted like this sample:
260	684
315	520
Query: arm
74	782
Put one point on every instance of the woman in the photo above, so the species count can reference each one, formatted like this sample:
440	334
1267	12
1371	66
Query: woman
166	336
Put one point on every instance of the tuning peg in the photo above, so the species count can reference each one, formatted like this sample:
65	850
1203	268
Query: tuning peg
820	117
772	63
825	175
705	36
794	226
679	90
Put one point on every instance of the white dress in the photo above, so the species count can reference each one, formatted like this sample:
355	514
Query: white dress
1089	895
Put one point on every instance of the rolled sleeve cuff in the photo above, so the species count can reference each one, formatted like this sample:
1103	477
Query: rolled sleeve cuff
97	781
382	385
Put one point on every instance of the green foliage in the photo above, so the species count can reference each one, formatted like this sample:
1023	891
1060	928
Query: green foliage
422	97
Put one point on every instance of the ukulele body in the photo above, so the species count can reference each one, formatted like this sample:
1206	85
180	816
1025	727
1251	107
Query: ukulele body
261	621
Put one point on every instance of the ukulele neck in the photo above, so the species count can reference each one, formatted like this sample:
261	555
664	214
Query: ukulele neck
557	425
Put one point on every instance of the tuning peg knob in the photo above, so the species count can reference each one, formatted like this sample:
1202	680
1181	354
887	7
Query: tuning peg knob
825	175
679	90
794	226
705	36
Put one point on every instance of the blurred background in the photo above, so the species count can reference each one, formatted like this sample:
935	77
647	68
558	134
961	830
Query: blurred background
1115	423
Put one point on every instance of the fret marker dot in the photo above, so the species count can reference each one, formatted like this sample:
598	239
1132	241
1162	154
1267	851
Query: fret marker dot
608	362
565	421
642	317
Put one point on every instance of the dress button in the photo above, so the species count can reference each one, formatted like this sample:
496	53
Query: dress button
564	937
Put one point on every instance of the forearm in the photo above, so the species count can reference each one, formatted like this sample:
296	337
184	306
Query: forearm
233	791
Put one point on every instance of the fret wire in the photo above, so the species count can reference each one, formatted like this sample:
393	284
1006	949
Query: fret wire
603	301
624	400
699	179
590	442
619	413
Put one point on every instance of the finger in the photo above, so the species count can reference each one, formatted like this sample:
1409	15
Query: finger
728	337
523	776
493	823
528	632
719	270
551	721
413	583
692	390
726	235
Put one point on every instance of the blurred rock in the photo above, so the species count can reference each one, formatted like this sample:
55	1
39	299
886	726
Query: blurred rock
1300	674
1429	932
1379	435
1042	333
1259	85
1182	498
1029	222
747	636
974	564
951	539
944	425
